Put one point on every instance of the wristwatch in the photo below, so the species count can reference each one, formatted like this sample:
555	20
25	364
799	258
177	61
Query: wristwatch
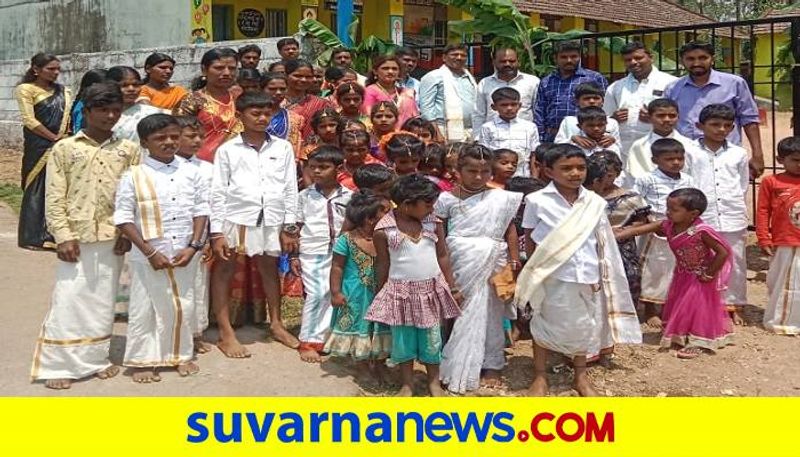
197	245
291	229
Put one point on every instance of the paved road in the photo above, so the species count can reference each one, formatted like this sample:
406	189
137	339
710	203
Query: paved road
26	279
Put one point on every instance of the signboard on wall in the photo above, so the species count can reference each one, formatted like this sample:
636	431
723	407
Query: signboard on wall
396	29
310	13
251	22
201	21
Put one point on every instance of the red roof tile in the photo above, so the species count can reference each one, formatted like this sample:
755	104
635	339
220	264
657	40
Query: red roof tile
642	13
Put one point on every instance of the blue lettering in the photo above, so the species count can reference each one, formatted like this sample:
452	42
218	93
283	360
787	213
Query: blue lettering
194	422
236	428
355	426
402	418
316	424
499	424
293	423
463	431
383	425
260	432
431	427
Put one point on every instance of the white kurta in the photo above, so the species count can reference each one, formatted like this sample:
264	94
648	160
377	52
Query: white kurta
76	334
478	250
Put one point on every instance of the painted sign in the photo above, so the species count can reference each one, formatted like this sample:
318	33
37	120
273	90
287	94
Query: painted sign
251	22
201	21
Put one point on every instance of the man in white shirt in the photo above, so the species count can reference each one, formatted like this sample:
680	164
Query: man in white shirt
253	213
508	131
447	95
627	99
507	74
721	170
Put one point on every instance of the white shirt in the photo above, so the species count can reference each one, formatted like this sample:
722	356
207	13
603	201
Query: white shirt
518	135
544	211
632	94
205	168
569	128
525	84
251	186
656	187
182	195
723	175
129	120
639	161
322	218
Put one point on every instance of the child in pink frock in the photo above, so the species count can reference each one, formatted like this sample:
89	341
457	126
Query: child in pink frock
694	313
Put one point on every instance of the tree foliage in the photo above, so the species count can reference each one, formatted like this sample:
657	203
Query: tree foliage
726	10
325	41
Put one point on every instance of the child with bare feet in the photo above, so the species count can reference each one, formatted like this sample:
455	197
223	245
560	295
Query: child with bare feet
572	310
162	207
191	140
656	259
320	217
417	291
482	242
253	213
353	289
82	175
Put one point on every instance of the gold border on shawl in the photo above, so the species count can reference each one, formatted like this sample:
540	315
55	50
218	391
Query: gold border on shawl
75	342
156	208
176	300
137	187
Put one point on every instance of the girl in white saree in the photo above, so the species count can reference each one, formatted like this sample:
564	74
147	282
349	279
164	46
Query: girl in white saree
482	243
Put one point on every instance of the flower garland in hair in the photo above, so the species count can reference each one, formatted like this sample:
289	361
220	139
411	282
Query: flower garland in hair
384	143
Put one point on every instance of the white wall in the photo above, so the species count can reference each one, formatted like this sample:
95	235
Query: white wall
75	65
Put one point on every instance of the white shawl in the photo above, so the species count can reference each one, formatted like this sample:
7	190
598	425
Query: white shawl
453	110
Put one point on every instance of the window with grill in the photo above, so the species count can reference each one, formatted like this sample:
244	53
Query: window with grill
275	23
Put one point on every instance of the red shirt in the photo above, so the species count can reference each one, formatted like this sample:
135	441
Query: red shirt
345	178
778	211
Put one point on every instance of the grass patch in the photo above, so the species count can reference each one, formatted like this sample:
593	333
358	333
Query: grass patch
11	194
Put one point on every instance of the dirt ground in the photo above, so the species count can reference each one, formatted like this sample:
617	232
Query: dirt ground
759	364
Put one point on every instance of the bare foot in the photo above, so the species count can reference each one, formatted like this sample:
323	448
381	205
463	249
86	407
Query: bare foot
736	317
109	372
145	375
690	352
491	379
188	368
538	387
281	335
436	389
584	386
654	322
382	373
405	391
310	355
200	346
233	349
58	384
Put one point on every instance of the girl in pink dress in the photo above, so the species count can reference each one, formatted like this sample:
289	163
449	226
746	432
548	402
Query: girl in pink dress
694	316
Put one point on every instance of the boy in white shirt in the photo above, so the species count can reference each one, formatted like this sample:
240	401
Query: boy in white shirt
571	309
721	171
593	135
162	207
507	131
192	136
253	213
587	95
321	215
657	260
663	114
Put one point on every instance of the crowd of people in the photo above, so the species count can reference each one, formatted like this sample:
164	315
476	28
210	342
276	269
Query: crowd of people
430	221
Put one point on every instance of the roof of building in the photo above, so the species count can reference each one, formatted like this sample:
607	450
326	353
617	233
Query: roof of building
643	13
791	10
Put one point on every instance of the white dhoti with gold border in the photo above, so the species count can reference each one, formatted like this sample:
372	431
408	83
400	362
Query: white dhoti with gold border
159	316
76	334
782	315
736	293
199	295
657	261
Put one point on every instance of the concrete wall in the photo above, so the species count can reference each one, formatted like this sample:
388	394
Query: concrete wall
76	64
62	26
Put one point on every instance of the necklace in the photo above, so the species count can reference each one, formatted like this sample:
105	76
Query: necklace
469	193
291	102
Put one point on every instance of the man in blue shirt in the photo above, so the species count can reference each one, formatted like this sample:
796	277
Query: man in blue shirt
555	99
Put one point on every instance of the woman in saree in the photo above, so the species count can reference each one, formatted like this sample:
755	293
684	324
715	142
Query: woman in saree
482	242
382	87
43	105
300	77
157	90
284	124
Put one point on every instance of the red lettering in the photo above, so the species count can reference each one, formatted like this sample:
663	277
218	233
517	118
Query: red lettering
564	435
603	432
543	437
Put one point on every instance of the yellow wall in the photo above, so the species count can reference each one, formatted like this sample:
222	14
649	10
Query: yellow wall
292	8
763	56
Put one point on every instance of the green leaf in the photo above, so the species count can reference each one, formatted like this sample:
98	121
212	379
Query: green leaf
319	31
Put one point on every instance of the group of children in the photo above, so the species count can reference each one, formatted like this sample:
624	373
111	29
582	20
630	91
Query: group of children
409	250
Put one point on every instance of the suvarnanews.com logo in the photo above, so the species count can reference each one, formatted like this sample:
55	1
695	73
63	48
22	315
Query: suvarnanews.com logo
400	427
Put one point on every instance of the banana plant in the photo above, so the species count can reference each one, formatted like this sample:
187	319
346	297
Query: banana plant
363	52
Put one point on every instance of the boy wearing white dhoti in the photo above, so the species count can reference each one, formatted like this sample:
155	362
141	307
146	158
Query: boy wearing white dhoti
82	175
574	281
162	207
721	170
320	216
192	137
656	257
482	242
